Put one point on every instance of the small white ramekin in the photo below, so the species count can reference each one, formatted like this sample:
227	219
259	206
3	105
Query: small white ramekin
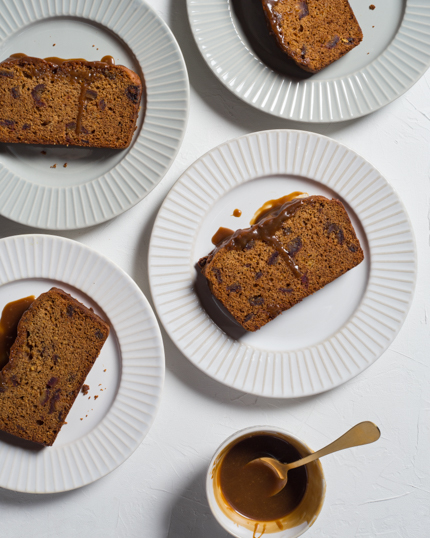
243	528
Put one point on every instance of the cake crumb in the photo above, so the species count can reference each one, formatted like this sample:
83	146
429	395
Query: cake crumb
54	44
65	165
54	166
372	6
104	370
85	389
43	152
95	397
82	419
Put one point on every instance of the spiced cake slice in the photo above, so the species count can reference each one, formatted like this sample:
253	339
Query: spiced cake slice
292	252
313	33
58	341
68	102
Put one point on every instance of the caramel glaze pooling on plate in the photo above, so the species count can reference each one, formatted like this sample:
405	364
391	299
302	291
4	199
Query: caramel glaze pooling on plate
265	230
10	317
84	78
221	235
237	213
272	205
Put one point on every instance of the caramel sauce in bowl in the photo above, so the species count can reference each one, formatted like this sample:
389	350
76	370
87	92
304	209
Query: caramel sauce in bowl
294	522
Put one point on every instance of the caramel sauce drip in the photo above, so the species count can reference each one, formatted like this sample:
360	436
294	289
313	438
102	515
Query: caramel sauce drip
265	230
109	60
256	530
10	317
237	213
272	205
221	235
83	77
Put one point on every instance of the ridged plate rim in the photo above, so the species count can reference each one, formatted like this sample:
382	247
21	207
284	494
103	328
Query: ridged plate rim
366	90
153	150
126	424
365	335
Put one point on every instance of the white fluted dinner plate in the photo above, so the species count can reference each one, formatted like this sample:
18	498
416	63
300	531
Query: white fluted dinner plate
97	184
395	52
332	335
105	426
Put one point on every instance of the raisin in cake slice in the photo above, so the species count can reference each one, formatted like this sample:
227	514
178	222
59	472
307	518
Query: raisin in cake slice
68	102
292	252
313	33
58	341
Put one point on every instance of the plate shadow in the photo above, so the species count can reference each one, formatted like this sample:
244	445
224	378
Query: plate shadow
252	19
191	516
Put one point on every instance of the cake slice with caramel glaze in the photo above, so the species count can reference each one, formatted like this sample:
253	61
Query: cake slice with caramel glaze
291	252
68	102
58	341
313	33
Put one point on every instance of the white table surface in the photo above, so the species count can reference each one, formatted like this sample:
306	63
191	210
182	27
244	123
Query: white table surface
378	491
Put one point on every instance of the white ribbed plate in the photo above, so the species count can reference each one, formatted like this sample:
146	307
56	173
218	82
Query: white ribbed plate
331	336
127	376
394	54
97	184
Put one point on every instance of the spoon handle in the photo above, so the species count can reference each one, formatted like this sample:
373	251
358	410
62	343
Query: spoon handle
361	434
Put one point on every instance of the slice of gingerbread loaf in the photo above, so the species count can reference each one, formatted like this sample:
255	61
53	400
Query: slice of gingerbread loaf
70	102
313	33
58	341
292	252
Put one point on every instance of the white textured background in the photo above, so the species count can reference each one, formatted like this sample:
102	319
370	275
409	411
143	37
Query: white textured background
378	491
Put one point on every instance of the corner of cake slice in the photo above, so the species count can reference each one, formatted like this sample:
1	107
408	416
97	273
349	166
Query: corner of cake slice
313	33
58	341
292	252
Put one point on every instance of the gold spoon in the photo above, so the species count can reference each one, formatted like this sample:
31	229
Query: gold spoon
361	434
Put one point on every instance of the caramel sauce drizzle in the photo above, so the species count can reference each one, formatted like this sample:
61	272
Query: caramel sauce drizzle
271	205
109	60
265	230
237	213
10	318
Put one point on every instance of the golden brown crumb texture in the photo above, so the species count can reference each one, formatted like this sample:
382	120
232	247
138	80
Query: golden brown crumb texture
75	103
58	341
